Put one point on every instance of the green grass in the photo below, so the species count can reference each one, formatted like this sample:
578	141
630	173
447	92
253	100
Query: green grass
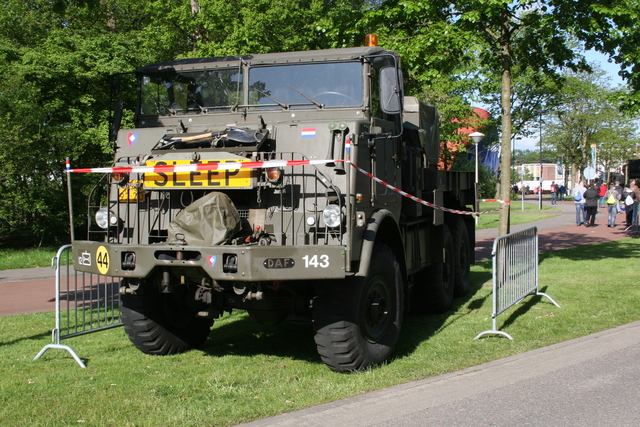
530	213
26	258
247	372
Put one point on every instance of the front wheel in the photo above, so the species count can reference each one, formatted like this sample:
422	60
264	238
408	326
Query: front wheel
161	324
357	321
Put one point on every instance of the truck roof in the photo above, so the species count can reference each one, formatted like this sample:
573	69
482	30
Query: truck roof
265	58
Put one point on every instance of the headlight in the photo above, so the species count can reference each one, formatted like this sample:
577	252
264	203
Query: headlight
106	218
331	216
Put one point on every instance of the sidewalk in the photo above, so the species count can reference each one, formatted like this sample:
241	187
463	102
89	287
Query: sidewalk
558	232
587	381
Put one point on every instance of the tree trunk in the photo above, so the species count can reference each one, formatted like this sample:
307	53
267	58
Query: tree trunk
505	150
505	153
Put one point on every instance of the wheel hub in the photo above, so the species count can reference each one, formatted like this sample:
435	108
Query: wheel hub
376	312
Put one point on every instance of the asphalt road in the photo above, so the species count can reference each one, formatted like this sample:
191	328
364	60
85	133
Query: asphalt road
589	381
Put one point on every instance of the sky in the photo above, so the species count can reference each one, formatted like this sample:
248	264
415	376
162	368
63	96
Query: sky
592	56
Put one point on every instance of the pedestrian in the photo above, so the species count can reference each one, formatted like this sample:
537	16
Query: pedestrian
629	205
620	190
578	198
562	190
612	199
636	191
601	193
554	193
591	196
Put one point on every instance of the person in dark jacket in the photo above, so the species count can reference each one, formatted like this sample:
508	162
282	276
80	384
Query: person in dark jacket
591	197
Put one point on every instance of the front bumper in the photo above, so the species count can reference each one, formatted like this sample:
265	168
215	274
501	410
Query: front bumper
231	263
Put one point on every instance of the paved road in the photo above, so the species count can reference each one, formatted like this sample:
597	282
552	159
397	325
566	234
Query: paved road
558	232
588	381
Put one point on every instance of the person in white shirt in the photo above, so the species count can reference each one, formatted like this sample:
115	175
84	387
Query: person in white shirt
578	197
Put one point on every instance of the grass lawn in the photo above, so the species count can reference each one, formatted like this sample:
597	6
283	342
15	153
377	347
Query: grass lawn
246	371
26	258
518	215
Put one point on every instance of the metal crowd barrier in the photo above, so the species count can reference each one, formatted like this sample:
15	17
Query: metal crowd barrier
86	303
515	272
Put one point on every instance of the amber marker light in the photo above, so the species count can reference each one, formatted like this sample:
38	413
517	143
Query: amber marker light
120	178
274	174
371	40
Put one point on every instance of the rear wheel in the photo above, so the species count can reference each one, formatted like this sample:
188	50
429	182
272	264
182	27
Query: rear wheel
162	324
357	321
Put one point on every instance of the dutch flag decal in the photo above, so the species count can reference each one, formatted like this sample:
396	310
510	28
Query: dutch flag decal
308	133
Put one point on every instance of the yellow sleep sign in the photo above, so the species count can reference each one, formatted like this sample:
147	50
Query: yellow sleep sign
102	260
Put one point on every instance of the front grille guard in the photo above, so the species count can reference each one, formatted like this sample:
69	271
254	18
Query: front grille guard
303	192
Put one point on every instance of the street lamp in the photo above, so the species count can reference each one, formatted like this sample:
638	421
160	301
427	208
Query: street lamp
476	137
540	188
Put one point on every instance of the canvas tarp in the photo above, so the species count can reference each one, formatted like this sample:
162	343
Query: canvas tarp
210	220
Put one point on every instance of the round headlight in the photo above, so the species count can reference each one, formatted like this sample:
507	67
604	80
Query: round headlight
331	216
105	218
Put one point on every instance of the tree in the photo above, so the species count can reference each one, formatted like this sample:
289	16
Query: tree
588	113
56	61
57	57
497	33
611	27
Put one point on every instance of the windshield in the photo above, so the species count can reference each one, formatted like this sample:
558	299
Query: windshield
189	92
297	86
332	84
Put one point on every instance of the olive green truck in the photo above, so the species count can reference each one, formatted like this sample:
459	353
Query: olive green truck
237	188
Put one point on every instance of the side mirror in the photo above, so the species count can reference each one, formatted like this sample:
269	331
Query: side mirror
390	90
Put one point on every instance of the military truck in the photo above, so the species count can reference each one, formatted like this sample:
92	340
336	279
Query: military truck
237	189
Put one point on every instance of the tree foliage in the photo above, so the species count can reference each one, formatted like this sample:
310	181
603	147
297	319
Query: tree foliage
57	56
588	113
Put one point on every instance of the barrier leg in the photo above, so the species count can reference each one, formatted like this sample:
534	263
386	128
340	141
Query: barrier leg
494	331
550	299
60	347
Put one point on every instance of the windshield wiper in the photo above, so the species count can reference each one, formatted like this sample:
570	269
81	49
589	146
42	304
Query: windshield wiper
282	104
313	101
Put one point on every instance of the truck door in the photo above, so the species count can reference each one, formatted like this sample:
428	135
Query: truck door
383	161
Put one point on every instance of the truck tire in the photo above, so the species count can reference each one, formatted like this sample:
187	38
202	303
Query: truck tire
357	321
433	291
159	324
461	257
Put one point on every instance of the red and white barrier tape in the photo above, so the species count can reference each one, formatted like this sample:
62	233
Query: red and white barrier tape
424	202
193	167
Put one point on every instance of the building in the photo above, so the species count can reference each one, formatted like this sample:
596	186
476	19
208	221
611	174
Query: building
550	172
